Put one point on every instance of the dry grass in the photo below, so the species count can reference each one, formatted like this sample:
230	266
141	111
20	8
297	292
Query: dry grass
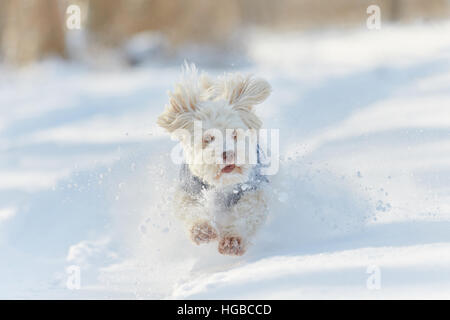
30	29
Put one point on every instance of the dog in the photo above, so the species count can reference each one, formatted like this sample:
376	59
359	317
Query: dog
221	195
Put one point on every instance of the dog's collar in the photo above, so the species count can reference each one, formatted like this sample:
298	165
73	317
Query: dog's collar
195	186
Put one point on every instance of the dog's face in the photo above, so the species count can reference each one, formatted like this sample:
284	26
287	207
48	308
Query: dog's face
220	151
215	122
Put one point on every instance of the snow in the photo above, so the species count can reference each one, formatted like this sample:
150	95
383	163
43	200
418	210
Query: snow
363	185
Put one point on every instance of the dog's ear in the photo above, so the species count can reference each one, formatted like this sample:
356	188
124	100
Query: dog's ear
178	114
184	99
242	93
245	91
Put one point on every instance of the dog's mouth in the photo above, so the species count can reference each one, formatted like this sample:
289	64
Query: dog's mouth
229	168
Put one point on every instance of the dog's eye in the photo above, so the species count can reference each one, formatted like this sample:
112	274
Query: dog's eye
208	139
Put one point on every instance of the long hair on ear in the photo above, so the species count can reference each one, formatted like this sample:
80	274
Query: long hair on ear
184	99
242	93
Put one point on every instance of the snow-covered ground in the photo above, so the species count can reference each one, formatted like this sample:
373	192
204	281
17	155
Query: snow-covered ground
362	197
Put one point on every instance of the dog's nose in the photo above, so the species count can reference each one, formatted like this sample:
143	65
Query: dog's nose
228	156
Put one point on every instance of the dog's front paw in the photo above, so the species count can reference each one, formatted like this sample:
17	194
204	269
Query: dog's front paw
232	246
203	233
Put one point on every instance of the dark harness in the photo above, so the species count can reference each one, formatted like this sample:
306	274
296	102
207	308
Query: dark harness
195	186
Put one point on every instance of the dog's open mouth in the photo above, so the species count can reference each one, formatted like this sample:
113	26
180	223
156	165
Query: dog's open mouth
228	168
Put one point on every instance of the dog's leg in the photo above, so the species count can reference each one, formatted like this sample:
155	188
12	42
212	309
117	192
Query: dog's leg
203	232
195	217
232	245
243	220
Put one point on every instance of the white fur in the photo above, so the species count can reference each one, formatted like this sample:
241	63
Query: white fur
224	109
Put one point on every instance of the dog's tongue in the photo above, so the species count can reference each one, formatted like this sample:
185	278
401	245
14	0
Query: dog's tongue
228	168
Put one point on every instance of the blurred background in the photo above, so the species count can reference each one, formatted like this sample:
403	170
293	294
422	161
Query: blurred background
363	116
30	30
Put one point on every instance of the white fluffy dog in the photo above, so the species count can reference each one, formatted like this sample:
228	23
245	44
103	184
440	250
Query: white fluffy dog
221	194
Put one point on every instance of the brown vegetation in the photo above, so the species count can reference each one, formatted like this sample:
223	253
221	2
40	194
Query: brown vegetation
31	29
